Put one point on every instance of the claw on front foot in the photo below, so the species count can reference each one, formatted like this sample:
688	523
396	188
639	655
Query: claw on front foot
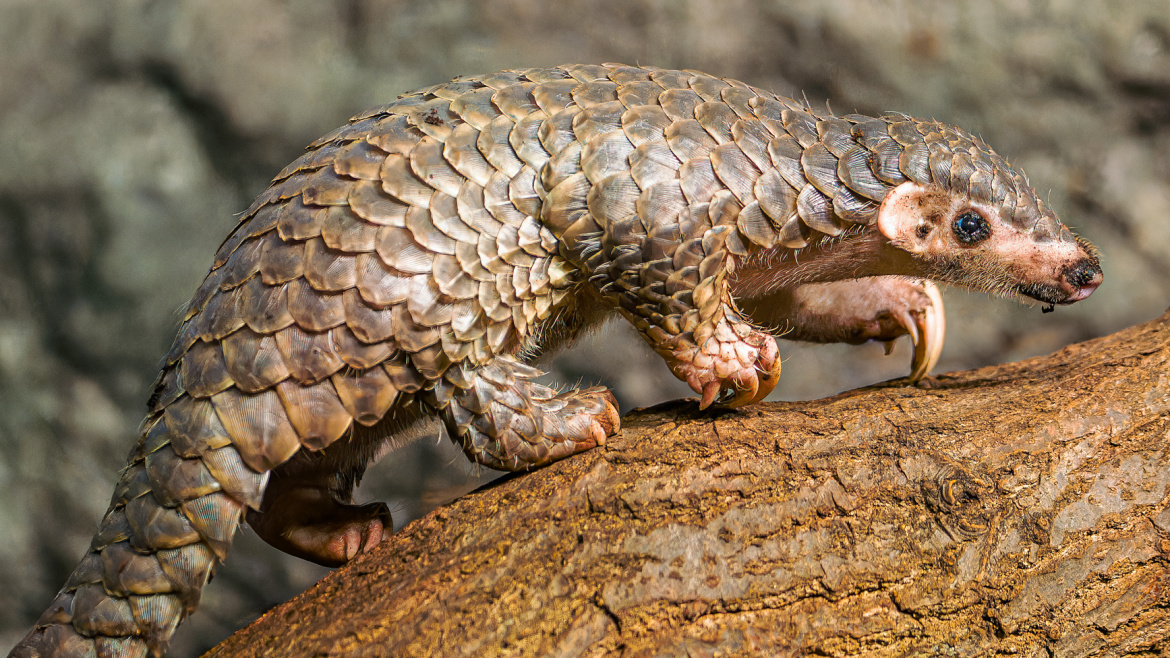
741	393
880	308
927	328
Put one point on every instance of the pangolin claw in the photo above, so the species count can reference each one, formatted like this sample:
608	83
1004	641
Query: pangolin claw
768	380
711	392
928	329
752	391
741	396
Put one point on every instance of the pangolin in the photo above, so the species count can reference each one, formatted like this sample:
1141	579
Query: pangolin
411	264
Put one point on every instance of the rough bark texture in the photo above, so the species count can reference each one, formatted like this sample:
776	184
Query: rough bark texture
1015	509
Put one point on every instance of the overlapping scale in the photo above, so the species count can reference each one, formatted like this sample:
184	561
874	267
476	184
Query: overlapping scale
708	87
698	180
242	264
357	353
175	479
237	478
343	230
688	140
127	572
203	370
399	249
717	119
678	101
266	309
326	269
365	396
606	155
258	426
554	96
735	170
524	194
315	411
400	182
371	324
359	159
308	355
215	517
298	221
515	100
155	527
652	163
598	120
192	427
476	108
253	360
311	309
638	93
493	144
556	132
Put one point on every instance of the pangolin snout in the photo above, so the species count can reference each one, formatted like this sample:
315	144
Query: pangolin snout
1072	283
1083	277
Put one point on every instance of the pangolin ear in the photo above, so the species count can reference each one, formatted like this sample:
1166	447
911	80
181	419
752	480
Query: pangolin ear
903	217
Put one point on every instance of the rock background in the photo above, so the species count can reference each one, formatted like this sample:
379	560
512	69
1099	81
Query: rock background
131	131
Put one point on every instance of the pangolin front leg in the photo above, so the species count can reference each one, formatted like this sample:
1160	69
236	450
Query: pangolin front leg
881	308
673	286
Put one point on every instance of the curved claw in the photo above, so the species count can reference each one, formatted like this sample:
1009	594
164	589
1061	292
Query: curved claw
742	396
756	389
710	392
768	380
928	330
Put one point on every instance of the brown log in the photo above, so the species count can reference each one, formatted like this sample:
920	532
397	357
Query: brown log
1012	509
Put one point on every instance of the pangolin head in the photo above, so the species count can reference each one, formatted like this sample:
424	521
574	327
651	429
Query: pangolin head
971	218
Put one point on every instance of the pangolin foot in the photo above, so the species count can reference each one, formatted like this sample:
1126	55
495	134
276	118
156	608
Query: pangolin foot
880	308
573	421
735	366
927	326
504	420
894	307
311	524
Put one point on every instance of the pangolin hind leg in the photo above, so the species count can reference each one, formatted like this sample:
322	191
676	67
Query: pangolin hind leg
312	522
504	420
308	508
308	512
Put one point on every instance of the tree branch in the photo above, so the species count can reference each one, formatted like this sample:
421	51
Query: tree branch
1013	509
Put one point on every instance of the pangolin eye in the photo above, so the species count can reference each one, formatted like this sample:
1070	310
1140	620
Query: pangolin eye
971	228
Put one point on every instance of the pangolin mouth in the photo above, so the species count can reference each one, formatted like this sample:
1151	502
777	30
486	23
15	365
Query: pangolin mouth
1079	281
1045	293
1049	294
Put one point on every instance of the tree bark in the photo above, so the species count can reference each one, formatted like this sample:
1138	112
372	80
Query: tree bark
1013	509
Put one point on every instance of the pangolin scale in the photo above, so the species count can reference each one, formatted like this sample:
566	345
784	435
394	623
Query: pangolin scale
412	262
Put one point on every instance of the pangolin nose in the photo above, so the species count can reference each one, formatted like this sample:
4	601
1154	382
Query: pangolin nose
1085	276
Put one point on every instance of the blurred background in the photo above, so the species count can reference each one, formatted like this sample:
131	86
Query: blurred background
133	131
